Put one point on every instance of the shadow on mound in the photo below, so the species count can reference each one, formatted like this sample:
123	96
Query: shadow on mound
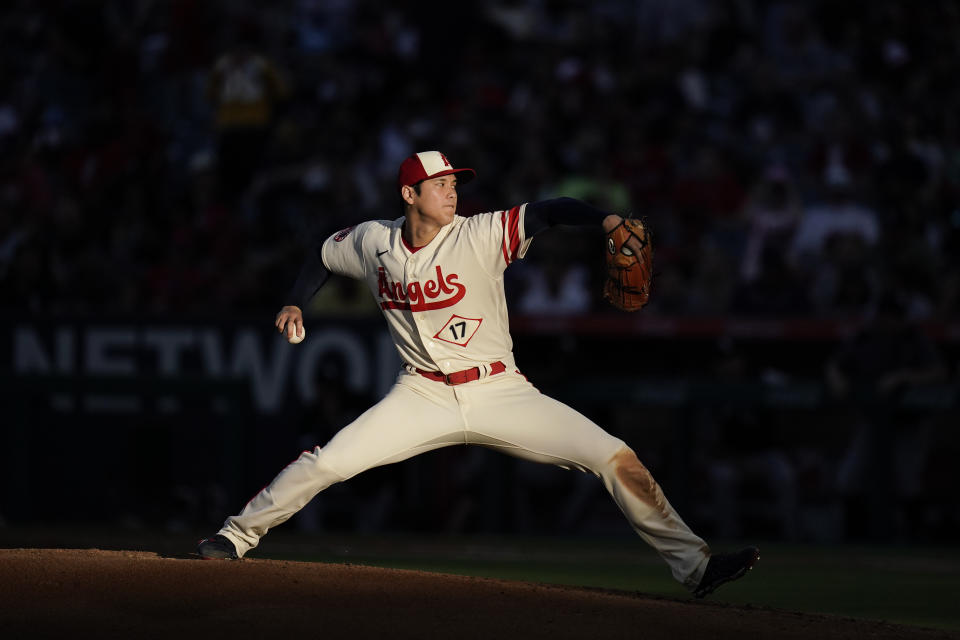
47	593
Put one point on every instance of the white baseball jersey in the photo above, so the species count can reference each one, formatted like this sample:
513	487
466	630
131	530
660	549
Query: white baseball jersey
444	303
446	310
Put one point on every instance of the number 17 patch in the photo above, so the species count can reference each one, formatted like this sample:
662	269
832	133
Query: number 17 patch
458	330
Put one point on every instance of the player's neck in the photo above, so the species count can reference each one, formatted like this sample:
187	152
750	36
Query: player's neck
419	231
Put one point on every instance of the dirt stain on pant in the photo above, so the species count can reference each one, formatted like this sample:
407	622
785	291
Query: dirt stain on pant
635	477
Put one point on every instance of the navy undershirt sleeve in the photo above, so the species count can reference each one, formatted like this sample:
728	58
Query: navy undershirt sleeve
568	211
313	275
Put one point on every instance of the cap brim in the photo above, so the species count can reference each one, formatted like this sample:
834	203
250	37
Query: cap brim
463	174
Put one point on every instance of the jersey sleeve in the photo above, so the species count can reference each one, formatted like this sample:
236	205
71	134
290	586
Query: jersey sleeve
342	253
499	238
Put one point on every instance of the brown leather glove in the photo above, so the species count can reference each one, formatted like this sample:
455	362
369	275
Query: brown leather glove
629	265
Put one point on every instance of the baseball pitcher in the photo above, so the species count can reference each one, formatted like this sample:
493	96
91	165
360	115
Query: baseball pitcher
438	279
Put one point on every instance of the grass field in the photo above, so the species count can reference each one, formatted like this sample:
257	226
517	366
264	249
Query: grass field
908	585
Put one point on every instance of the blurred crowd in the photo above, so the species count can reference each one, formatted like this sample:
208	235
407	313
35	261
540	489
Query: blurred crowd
793	158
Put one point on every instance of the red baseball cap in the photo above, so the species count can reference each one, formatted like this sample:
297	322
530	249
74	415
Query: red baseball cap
429	164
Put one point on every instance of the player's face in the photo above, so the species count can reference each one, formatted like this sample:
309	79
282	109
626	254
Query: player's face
438	199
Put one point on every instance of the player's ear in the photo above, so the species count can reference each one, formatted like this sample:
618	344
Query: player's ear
407	193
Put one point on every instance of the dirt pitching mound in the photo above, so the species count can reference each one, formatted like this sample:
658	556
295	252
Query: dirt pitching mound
57	593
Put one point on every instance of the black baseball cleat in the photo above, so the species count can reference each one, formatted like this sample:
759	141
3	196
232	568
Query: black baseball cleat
726	567
218	547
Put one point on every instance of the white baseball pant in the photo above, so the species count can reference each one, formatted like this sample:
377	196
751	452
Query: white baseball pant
503	412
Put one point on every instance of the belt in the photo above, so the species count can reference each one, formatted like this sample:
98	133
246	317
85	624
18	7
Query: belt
459	377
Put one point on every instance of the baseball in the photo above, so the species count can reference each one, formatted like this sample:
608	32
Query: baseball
298	338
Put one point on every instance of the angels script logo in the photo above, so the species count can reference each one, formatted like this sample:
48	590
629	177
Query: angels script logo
416	295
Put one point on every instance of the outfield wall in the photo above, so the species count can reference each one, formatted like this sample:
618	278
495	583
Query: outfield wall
178	420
